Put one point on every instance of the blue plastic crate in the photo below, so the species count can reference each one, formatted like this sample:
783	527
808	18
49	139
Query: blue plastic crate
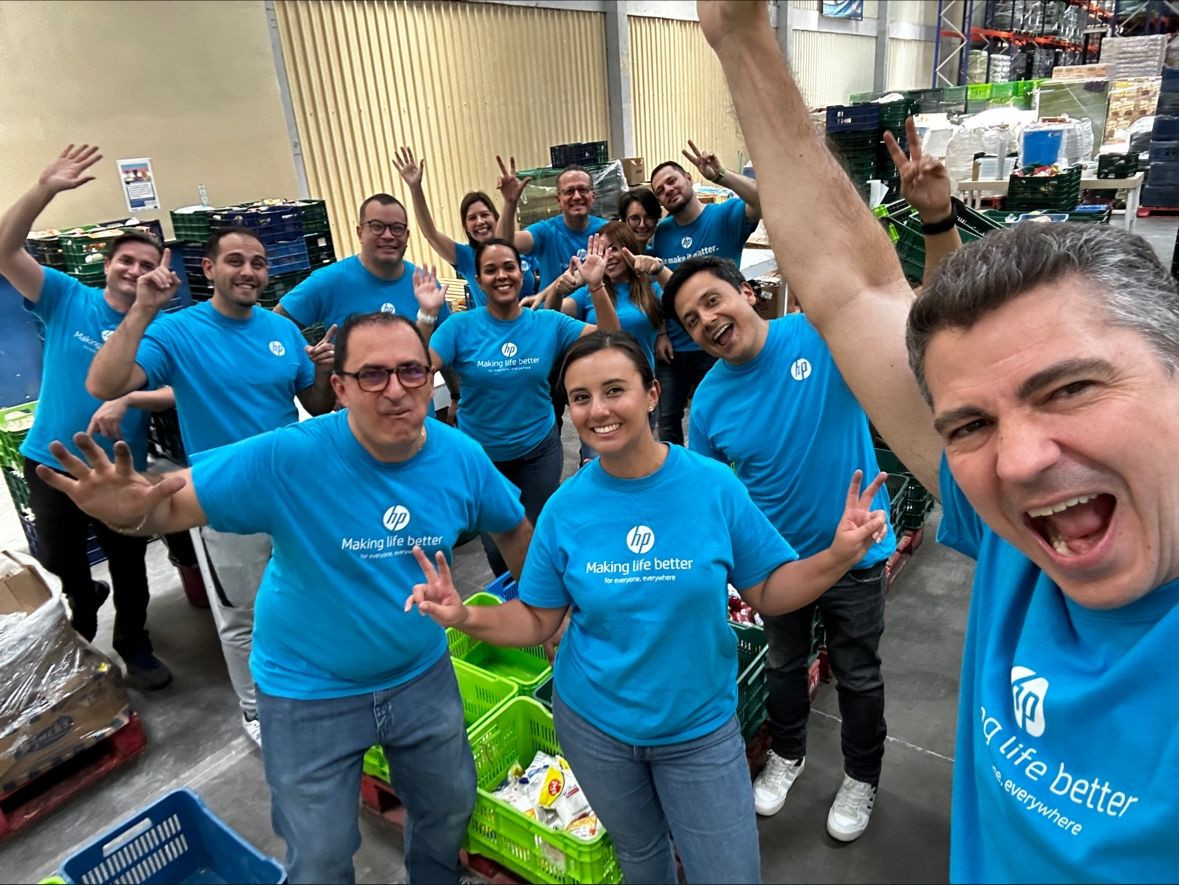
176	839
504	587
281	231
853	118
94	552
288	257
1165	129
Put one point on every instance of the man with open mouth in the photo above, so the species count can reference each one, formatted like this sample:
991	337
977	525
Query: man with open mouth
1048	356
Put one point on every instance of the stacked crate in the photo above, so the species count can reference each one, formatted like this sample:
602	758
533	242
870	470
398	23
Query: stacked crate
854	134
1162	179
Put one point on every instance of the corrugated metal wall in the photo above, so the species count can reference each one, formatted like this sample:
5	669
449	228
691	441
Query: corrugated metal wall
369	76
908	64
829	67
679	92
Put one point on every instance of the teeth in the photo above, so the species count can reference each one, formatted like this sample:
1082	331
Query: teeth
1061	547
720	331
1062	506
609	428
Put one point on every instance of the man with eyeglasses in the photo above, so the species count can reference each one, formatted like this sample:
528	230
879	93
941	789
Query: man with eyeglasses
378	279
693	229
340	664
236	370
551	242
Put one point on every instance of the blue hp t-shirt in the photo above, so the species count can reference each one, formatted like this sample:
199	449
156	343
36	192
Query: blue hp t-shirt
464	265
649	656
77	321
1067	755
553	244
504	368
329	620
631	317
333	293
232	378
789	424
720	230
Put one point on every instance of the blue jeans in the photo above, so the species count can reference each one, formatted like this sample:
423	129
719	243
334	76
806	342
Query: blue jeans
698	793
677	382
537	475
313	752
853	617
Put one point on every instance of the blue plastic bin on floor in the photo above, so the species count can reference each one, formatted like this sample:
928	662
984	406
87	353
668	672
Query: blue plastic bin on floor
176	839
1041	147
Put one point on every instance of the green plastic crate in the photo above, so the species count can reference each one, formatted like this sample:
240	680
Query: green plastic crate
544	693
753	688
14	427
527	667
85	251
977	91
482	695
1002	91
192	227
314	215
513	734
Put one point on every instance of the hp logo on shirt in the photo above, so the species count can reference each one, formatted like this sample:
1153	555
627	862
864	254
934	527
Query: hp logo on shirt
686	242
800	370
388	307
640	539
396	518
509	349
277	349
1027	694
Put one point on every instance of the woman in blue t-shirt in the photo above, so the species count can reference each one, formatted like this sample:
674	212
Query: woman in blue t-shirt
638	548
503	356
641	211
479	218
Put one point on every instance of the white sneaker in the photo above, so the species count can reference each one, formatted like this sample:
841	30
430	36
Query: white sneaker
774	782
851	810
253	729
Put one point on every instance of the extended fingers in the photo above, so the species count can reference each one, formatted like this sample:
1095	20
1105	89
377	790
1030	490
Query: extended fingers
913	138
55	480
894	150
873	487
424	564
329	335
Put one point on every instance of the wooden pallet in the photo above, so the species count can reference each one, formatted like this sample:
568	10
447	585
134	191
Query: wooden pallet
58	785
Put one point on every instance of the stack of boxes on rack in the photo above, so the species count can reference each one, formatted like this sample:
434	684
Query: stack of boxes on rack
1162	181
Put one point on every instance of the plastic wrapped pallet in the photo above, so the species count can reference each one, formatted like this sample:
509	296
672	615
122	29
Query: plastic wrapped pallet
995	131
1134	56
58	694
1077	100
1130	101
539	200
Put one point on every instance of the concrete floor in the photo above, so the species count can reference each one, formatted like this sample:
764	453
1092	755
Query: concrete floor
195	737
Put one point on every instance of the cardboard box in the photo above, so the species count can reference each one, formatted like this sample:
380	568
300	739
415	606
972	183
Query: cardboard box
58	694
634	170
770	291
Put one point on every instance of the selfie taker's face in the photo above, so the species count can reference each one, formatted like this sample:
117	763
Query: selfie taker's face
1061	429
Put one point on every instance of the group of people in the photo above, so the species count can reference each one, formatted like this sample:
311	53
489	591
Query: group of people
1011	385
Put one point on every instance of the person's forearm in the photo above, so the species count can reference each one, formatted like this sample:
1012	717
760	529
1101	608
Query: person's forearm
454	385
113	367
513	547
18	220
321	398
512	624
159	400
938	247
552	295
505	228
743	186
607	315
796	584
441	243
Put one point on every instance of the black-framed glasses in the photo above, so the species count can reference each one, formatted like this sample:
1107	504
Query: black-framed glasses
374	379
378	228
575	190
639	220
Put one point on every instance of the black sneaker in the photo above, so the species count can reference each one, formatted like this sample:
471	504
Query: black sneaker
146	672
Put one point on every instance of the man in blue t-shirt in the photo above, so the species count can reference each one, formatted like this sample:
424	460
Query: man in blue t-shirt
77	319
1047	354
776	407
691	229
340	664
236	370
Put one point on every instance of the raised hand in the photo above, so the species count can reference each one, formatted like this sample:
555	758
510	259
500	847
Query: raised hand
509	185
156	288
570	280
437	597
68	170
925	184
860	527
648	265
710	167
427	290
722	19
593	267
107	420
110	492
323	352
533	302
411	170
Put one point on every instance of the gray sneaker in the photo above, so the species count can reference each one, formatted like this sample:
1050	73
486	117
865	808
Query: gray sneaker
774	782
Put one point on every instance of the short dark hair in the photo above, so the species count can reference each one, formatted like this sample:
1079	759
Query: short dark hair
1133	288
645	198
601	340
133	235
673	164
573	167
470	200
378	318
488	243
381	200
213	244
721	268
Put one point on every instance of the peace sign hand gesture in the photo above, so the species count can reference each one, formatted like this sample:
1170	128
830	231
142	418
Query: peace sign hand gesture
710	167
509	185
437	597
860	527
925	184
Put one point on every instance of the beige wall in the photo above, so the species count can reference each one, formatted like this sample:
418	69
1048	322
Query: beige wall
830	67
192	85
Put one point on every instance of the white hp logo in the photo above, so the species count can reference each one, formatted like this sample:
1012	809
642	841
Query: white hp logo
581	253
106	333
640	539
277	349
508	350
800	370
686	242
396	518
1027	695
387	307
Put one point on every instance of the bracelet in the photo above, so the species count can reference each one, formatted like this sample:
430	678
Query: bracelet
427	319
599	288
128	530
658	270
940	227
719	177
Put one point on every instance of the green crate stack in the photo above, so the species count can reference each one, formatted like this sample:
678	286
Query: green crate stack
85	251
314	334
512	735
1053	193
904	229
909	501
47	250
15	422
314	215
857	152
753	689
279	286
191	224
527	667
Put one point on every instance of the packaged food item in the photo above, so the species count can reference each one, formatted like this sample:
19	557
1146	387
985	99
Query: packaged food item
584	828
547	791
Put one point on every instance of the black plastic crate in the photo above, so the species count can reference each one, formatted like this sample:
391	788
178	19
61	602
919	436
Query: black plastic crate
47	251
163	437
589	153
313	214
1060	193
1117	165
320	249
1164	151
279	286
1163	175
853	118
1165	129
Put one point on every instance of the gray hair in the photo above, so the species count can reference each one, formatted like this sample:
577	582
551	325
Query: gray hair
1137	292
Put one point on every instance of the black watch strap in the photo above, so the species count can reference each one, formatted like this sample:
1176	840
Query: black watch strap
940	227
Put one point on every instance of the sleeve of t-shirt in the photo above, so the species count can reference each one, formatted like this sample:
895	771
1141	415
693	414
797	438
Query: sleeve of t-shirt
231	483
581	298
154	355
698	440
540	583
443	342
568	330
56	289
540	234
758	548
305	303
737	223
961	528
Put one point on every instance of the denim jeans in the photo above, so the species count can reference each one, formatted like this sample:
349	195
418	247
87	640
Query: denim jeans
677	382
313	752
853	616
537	475
698	793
